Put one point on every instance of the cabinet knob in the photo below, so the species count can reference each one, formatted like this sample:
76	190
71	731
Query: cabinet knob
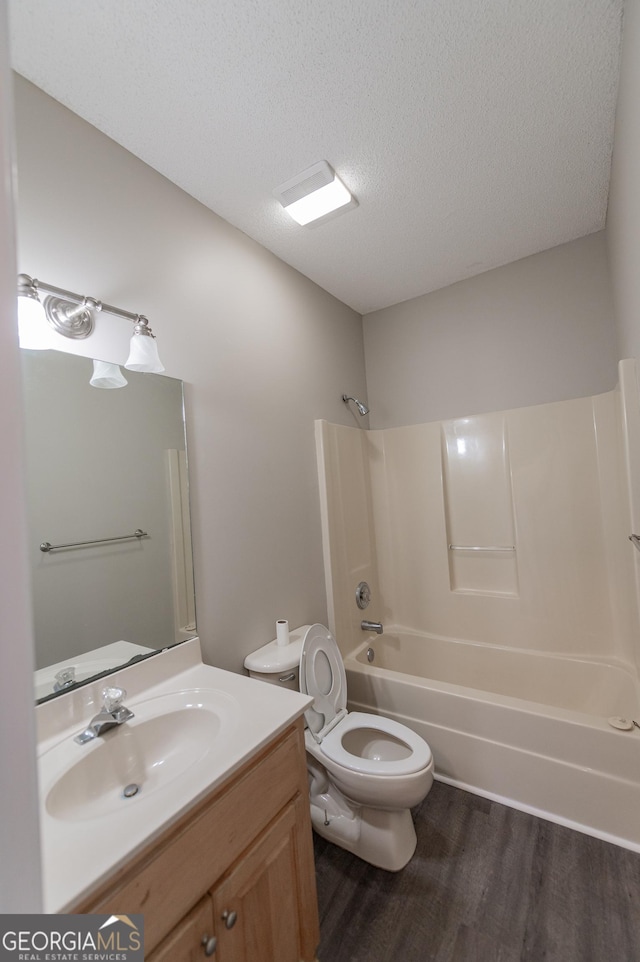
209	943
229	918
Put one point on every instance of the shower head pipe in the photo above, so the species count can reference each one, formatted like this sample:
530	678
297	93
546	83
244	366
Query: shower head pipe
362	408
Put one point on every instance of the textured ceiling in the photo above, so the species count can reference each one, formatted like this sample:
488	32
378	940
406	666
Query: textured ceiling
473	133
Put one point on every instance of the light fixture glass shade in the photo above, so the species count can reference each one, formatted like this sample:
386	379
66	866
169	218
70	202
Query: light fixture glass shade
320	202
107	375
143	355
33	328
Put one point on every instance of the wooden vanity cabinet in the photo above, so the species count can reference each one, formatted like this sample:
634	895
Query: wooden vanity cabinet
190	939
234	879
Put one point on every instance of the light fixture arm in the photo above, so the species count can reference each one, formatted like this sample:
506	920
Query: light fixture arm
72	315
79	299
87	304
142	326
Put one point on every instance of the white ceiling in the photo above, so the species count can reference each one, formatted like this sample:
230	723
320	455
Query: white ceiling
473	132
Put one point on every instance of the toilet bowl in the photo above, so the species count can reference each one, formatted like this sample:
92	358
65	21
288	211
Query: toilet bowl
373	764
365	771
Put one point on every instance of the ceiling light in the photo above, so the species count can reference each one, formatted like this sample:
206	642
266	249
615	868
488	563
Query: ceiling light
71	315
315	195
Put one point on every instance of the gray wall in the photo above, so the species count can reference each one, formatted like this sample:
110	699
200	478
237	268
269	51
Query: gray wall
540	329
262	350
623	217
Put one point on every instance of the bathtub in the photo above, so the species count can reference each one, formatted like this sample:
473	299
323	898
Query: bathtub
525	728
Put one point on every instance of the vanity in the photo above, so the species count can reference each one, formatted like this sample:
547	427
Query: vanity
193	812
214	846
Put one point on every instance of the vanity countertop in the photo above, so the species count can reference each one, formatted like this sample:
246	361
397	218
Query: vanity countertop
194	726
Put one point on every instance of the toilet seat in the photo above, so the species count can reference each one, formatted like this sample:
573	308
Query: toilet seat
419	756
322	675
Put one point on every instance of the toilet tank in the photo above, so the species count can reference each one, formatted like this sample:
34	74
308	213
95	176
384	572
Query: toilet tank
278	664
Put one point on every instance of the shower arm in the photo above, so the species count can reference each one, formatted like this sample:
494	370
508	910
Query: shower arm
362	408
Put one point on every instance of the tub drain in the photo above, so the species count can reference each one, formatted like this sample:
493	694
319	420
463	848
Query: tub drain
623	724
130	790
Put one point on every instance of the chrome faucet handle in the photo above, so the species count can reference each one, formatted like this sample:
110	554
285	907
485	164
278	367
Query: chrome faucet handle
65	678
112	698
112	714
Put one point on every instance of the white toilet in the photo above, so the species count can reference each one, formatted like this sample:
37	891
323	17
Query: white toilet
366	771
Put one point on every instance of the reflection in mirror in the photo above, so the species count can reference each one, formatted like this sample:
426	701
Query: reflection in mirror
106	467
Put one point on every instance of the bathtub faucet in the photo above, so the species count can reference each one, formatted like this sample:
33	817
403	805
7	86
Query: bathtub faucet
372	626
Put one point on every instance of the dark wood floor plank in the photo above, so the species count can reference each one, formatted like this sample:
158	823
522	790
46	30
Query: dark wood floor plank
486	884
512	838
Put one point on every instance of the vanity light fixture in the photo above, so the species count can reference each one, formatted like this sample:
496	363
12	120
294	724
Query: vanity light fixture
33	329
107	375
143	351
72	315
315	195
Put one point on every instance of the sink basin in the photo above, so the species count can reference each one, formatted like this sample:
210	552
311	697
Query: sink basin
169	736
195	726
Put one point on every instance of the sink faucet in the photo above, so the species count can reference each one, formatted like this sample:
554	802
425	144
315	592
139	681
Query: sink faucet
372	626
112	714
65	678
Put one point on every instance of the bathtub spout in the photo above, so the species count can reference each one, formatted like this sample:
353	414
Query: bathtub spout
372	626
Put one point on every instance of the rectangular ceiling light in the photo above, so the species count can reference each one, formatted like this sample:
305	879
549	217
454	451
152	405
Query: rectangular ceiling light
315	195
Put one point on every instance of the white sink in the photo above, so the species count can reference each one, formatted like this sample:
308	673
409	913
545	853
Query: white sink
194	726
169	735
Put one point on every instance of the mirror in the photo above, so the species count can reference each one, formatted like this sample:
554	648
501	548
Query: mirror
106	467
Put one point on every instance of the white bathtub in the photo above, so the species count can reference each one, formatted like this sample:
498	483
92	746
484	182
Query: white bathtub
525	728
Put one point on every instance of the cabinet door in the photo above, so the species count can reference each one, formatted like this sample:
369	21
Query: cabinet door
256	908
192	939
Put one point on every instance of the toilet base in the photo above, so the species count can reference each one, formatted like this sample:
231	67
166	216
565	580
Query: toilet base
381	838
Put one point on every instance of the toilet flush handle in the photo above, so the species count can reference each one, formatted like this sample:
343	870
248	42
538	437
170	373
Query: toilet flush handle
289	677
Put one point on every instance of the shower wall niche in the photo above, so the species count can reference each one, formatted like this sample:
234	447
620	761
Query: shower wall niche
542	491
478	505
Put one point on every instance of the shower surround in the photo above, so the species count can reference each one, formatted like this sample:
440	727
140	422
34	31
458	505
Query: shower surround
498	555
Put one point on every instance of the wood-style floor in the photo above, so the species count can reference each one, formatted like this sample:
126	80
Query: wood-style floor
486	884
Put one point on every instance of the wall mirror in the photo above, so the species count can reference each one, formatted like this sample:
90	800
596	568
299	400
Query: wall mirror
107	467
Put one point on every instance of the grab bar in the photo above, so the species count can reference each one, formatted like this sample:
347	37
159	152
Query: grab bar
482	547
635	540
138	533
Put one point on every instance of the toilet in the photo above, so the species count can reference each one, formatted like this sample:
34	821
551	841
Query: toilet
365	771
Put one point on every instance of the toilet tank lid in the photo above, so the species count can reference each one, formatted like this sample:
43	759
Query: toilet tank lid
274	657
